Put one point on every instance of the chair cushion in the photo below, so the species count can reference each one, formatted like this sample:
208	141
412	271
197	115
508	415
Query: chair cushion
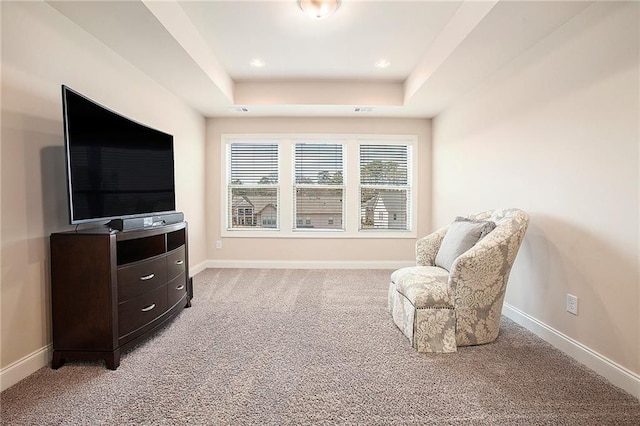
423	286
460	237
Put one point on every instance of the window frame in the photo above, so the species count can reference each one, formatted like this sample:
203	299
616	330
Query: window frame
297	227
408	187
228	186
351	185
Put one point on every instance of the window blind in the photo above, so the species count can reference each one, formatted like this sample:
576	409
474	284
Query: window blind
385	188
318	186
253	185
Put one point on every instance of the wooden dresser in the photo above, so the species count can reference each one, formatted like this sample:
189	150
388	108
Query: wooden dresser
111	289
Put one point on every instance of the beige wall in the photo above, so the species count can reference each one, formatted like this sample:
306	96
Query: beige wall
301	249
556	133
40	51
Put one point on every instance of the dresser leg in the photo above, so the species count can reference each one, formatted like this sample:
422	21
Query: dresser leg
57	360
113	361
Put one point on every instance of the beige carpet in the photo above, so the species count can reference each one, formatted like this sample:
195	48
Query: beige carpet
296	347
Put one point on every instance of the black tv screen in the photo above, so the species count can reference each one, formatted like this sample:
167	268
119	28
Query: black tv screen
116	167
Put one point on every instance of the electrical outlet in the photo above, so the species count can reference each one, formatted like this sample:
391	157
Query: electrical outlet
219	245
572	304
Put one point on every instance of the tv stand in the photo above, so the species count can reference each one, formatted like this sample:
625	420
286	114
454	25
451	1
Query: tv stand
110	290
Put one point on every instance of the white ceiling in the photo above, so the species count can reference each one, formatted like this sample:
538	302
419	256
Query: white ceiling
202	50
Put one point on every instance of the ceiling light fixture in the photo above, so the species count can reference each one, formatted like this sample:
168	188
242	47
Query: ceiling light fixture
319	9
383	63
257	63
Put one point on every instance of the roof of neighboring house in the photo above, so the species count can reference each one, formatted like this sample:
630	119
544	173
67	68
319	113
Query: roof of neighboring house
318	202
387	199
266	207
258	202
241	201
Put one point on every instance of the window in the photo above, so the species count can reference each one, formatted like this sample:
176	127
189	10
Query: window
252	185
385	187
318	186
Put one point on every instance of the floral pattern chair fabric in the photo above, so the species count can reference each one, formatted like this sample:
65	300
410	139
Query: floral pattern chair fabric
439	310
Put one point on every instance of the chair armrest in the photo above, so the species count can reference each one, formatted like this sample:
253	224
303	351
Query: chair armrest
427	247
488	262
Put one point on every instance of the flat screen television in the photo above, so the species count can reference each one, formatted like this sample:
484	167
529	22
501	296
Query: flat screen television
117	168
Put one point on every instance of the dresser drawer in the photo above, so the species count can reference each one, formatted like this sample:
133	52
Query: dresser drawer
141	277
137	312
176	263
176	289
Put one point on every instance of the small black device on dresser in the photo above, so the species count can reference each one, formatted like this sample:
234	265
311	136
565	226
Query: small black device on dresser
112	289
145	222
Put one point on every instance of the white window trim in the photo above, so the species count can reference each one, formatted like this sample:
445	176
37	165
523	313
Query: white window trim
351	220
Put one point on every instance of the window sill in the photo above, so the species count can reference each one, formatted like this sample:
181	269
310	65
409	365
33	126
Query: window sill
321	234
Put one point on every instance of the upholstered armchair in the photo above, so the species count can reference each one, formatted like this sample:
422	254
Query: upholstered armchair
453	296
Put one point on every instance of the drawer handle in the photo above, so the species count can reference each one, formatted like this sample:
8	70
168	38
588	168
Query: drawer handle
148	308
180	287
147	277
179	262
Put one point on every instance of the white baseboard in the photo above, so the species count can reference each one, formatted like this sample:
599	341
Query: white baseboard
308	264
615	373
195	270
13	373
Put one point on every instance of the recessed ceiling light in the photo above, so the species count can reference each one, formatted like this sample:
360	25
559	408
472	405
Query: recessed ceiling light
383	63
257	63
